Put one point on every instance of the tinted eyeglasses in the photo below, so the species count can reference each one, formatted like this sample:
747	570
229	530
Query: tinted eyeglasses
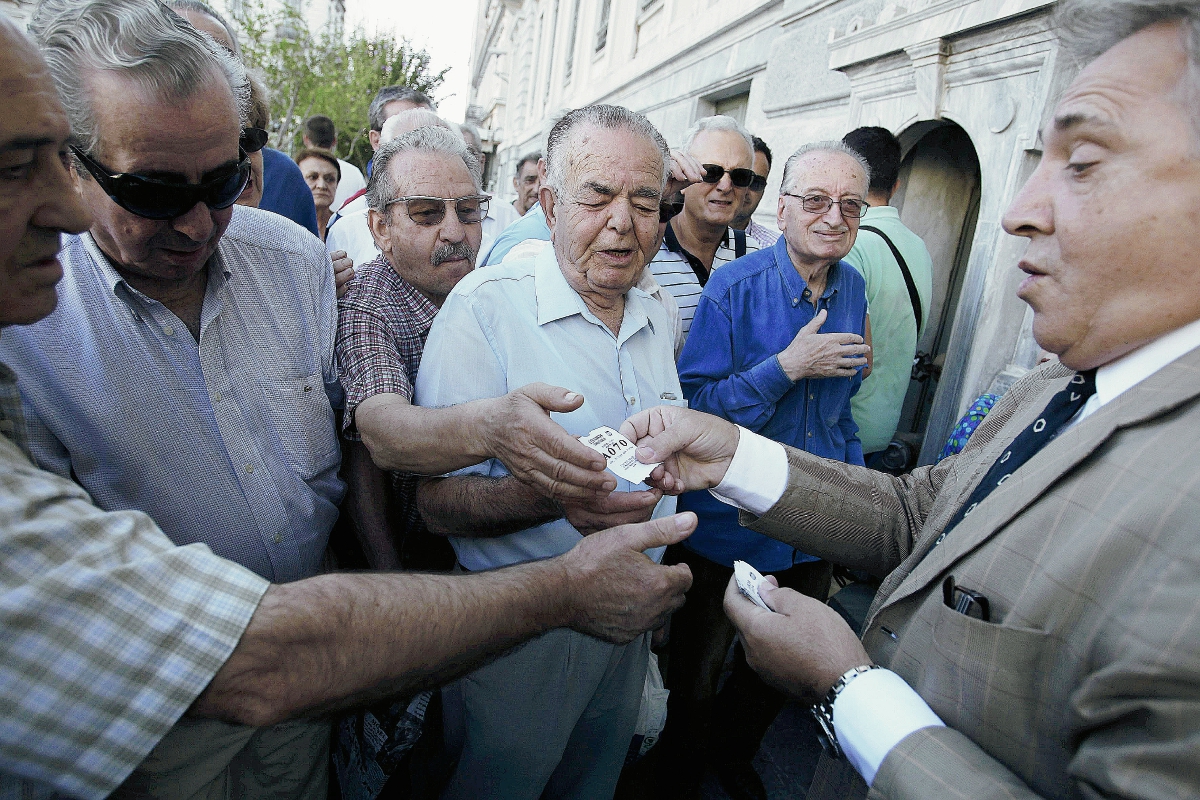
741	178
668	208
157	199
819	204
432	210
759	184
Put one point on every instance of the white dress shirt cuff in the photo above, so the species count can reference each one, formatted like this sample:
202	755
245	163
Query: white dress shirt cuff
757	474
873	713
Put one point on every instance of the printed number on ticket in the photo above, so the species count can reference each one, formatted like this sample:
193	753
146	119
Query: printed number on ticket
620	453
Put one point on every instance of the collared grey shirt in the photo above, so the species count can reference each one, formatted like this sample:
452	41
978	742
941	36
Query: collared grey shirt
230	442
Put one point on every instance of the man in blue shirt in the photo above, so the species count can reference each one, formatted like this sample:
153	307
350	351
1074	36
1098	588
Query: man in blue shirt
285	192
776	346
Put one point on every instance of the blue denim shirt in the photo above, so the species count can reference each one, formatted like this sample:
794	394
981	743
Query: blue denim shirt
750	311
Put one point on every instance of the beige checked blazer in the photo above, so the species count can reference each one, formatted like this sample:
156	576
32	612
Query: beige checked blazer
1086	681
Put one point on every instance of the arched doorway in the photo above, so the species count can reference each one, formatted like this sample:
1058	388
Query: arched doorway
938	199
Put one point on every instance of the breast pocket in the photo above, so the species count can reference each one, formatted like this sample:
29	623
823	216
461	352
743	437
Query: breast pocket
995	675
303	420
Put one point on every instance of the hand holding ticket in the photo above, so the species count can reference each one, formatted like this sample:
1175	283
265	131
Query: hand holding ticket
620	453
748	580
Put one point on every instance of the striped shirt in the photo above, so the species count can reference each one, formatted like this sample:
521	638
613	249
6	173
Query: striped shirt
108	632
230	441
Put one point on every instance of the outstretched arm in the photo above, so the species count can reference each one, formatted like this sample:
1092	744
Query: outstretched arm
339	641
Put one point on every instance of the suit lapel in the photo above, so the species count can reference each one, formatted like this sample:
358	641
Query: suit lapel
1173	385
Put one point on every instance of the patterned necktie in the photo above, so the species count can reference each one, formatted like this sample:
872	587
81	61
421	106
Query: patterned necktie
1058	412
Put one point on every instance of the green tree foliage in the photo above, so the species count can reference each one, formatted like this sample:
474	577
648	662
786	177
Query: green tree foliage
327	73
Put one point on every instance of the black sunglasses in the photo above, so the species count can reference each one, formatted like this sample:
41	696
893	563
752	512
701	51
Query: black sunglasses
253	140
668	208
741	178
759	184
155	199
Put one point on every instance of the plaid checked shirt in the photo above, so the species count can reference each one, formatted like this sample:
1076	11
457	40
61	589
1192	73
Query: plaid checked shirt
383	323
108	631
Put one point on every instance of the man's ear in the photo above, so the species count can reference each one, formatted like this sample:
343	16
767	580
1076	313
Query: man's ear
546	198
541	170
378	223
373	137
779	221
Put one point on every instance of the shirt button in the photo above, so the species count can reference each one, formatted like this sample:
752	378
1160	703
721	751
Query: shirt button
250	467
812	397
810	433
169	331
631	400
216	397
278	538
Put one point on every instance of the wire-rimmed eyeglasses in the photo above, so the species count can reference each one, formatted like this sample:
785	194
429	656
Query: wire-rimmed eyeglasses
820	203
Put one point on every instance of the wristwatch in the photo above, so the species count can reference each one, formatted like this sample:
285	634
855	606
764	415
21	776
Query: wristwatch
823	711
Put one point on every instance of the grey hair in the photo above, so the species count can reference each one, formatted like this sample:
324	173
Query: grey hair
822	147
141	40
1087	28
720	122
376	113
201	7
381	189
602	116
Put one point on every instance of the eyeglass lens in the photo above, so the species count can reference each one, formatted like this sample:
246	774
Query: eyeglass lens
759	184
740	177
432	210
819	204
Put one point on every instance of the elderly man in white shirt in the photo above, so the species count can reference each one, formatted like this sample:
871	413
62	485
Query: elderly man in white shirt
572	316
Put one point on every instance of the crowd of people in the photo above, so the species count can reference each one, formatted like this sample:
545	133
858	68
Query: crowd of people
296	499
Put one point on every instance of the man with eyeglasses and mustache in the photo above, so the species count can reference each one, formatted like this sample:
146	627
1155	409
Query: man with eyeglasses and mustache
776	346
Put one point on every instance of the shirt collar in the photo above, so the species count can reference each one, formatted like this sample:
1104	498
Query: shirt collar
557	300
792	280
878	212
1127	371
218	270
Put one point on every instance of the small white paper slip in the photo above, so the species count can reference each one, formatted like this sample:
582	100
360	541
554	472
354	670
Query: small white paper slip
748	579
620	453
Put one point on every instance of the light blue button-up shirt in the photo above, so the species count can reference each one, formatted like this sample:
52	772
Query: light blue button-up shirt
230	442
509	325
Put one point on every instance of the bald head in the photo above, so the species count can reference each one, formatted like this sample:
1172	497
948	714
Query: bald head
40	206
409	120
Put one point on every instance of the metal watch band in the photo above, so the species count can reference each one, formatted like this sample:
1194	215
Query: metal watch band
823	711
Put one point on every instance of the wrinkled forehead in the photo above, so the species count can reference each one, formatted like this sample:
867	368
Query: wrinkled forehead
832	173
431	173
619	159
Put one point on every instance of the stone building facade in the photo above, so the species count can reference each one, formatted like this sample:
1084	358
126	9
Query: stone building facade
965	84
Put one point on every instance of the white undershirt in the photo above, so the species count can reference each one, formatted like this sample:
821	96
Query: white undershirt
878	709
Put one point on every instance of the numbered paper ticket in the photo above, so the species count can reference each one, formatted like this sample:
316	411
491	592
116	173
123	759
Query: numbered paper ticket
620	453
748	580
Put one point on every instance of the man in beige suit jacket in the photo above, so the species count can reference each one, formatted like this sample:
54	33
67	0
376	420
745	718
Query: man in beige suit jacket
1083	677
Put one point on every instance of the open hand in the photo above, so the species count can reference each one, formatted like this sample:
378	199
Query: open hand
619	508
537	451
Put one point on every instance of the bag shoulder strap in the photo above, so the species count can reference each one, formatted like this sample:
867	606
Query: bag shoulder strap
739	243
913	297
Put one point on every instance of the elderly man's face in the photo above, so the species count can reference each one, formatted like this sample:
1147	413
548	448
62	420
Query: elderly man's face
1112	212
433	258
606	223
252	195
168	139
38	199
716	204
813	239
753	198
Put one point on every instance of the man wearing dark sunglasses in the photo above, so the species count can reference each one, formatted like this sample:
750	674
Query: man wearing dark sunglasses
206	395
744	221
699	239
